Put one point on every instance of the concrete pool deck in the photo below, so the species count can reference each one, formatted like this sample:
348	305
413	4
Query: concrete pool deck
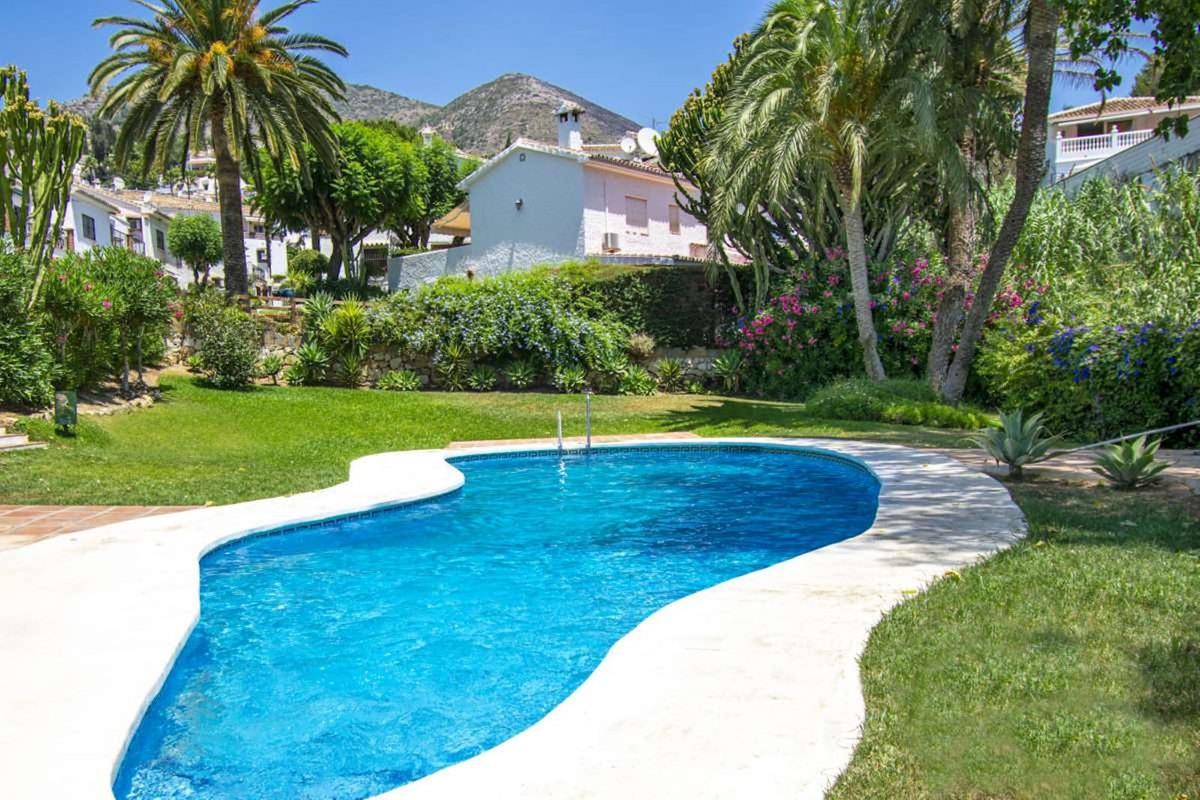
747	689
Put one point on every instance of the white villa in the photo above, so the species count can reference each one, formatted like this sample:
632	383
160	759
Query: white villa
138	220
536	203
1085	136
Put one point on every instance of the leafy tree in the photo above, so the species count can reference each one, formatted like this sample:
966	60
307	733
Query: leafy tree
437	194
374	177
1145	83
140	294
26	366
38	151
823	98
1093	26
196	238
219	70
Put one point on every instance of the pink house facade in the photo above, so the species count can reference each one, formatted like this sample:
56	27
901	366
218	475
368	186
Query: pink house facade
542	204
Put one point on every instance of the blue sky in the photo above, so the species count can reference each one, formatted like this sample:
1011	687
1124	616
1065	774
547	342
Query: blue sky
640	57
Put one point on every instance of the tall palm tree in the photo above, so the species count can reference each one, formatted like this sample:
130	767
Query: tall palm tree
824	101
222	72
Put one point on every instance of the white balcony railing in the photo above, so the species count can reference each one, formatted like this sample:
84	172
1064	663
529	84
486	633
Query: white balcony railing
1095	148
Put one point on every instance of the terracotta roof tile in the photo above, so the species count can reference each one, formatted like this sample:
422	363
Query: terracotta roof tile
1116	105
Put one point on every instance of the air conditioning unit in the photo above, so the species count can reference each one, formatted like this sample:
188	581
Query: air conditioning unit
612	243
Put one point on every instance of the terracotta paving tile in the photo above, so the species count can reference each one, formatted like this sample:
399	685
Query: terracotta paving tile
22	525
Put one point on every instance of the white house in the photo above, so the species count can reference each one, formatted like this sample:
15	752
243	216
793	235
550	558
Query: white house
89	221
536	203
1084	136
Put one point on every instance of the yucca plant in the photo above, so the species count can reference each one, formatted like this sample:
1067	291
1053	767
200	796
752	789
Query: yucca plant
1018	442
670	373
610	369
312	362
1130	464
521	374
452	365
728	368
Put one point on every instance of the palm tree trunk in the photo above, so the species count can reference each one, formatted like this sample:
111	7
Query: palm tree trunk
860	284
960	254
229	182
1041	37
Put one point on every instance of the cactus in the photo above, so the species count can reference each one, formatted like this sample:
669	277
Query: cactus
38	152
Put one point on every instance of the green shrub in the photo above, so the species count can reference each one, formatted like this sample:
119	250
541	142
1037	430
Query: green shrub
1130	464
521	374
728	369
26	364
898	402
270	366
638	381
229	349
310	264
570	379
609	370
403	380
641	346
453	365
482	379
671	372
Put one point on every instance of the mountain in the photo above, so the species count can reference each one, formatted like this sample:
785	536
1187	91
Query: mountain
483	119
367	102
480	121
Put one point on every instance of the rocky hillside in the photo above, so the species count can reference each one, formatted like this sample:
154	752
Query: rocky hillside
482	120
479	121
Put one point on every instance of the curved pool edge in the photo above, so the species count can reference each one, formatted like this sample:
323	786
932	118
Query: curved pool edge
747	688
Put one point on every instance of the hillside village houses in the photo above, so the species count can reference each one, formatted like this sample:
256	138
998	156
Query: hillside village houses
137	219
537	203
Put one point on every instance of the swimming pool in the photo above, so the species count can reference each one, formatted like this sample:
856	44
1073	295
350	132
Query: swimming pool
342	660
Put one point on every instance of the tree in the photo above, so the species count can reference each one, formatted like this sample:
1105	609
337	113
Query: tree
220	71
38	152
1145	83
822	103
196	238
1093	26
437	194
140	294
374	176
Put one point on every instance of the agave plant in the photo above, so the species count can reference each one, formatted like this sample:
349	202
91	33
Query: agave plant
402	380
521	374
311	365
1130	464
452	365
638	380
610	369
482	379
570	380
1018	441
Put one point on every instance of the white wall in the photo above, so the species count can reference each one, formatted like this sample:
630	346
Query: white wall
547	228
77	207
605	191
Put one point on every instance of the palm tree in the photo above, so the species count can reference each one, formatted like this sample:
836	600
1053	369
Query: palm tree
221	71
824	102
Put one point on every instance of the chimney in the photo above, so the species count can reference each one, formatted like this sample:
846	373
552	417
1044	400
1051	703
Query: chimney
427	134
569	134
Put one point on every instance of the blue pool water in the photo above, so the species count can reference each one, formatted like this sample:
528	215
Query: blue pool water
339	661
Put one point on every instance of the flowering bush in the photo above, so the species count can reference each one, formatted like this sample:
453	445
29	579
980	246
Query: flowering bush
806	336
1095	381
26	366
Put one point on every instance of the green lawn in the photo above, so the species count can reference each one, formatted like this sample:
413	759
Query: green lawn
201	444
1066	667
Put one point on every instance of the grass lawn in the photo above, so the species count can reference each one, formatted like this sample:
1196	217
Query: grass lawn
1066	667
202	444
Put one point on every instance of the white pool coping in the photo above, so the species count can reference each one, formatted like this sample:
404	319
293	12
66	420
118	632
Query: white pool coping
747	689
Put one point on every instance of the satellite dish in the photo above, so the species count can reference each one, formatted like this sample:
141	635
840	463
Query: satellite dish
628	145
647	140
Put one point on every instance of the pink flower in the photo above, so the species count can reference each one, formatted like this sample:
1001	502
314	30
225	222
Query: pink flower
834	280
106	303
812	340
828	293
907	295
87	287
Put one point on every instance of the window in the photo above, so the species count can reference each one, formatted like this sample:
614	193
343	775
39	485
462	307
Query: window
673	219
112	232
160	241
135	224
636	218
89	228
262	255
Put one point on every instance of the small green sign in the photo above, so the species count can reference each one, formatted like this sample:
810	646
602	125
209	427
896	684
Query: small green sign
65	409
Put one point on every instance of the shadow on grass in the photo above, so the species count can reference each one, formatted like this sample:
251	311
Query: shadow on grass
734	416
1171	673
